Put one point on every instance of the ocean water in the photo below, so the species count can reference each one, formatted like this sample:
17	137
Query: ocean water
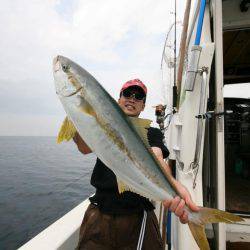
40	181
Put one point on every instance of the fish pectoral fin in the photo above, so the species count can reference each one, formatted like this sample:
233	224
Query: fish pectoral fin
67	131
208	215
141	126
86	108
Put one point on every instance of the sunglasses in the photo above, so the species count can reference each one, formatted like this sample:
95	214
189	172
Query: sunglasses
136	95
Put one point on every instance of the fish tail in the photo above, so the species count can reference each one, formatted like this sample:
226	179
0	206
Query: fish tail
206	215
67	131
198	232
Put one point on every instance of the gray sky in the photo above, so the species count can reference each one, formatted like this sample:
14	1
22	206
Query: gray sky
114	40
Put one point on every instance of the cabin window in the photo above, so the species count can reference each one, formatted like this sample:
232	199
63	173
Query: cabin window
237	147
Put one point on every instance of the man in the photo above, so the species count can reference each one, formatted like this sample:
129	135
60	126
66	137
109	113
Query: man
113	220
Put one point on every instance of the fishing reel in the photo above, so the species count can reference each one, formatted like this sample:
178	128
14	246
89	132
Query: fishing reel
160	115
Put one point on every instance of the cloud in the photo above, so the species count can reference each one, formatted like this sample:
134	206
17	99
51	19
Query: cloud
114	40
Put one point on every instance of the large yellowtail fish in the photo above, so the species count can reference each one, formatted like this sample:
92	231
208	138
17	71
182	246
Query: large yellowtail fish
121	142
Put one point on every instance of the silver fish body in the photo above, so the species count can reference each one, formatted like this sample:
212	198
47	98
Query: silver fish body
109	133
114	139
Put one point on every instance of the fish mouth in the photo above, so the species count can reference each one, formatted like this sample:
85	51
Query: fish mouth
65	83
56	64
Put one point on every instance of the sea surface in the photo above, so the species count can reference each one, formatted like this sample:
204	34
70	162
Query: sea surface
40	181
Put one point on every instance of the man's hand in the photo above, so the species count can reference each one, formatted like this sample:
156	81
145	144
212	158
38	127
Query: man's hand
81	144
177	204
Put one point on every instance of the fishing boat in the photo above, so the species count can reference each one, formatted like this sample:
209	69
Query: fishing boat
207	130
208	134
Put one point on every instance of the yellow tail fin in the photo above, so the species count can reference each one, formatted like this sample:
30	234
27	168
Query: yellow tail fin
206	215
198	232
67	131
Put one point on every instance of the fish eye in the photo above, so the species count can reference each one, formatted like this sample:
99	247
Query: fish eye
65	68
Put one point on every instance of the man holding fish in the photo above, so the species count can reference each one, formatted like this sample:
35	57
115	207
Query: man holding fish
126	220
130	168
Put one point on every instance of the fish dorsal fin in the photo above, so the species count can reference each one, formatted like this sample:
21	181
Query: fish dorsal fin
67	131
141	126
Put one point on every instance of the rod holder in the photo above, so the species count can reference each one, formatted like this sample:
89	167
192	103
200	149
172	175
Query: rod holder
192	67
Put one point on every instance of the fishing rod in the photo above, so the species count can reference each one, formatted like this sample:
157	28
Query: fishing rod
175	86
174	106
182	49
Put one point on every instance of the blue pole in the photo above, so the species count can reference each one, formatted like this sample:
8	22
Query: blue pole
169	224
200	22
169	230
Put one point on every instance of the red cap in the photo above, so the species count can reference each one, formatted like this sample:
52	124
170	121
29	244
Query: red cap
135	82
